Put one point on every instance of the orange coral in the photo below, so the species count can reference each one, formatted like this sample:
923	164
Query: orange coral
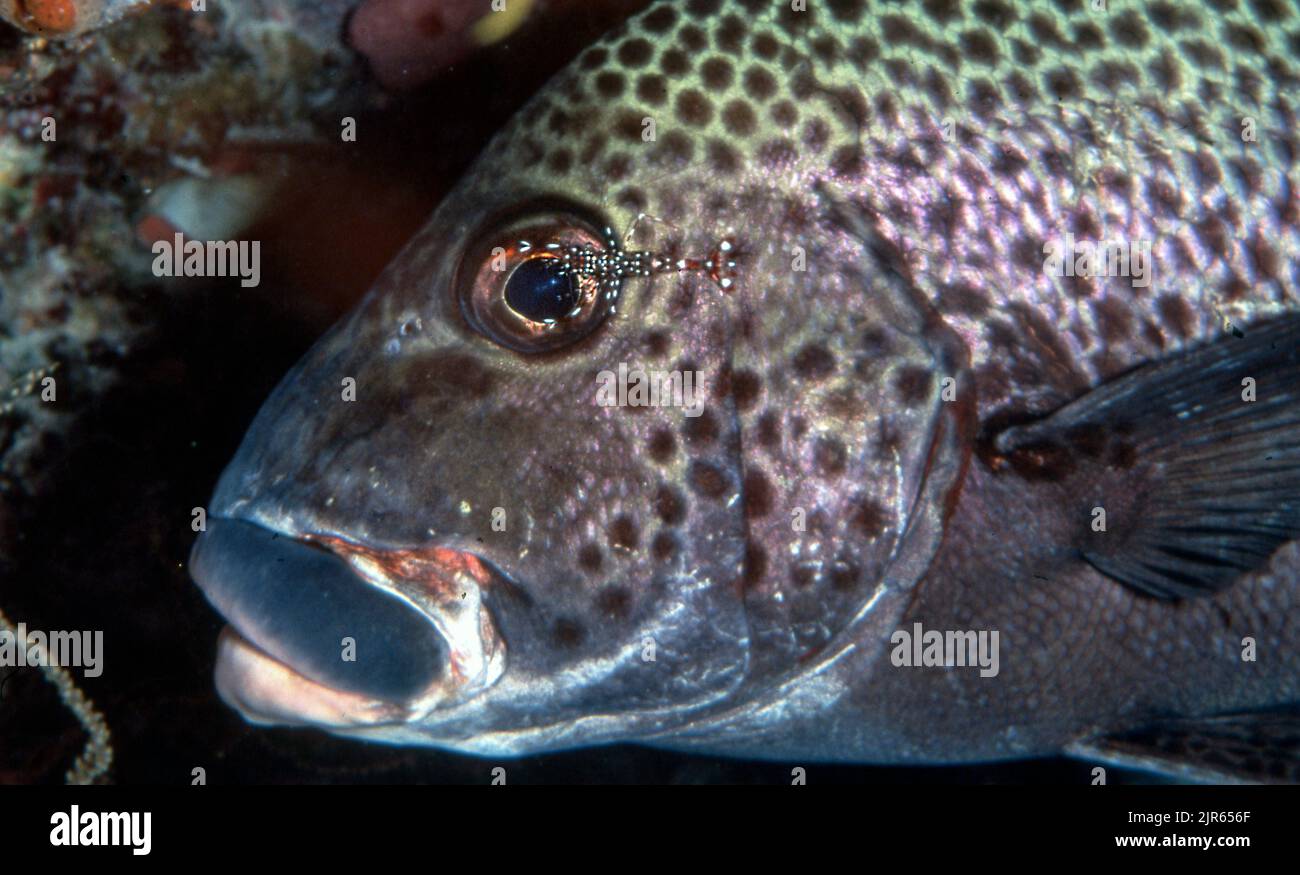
48	16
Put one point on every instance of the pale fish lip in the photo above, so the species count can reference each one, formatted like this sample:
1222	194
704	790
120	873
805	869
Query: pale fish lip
269	692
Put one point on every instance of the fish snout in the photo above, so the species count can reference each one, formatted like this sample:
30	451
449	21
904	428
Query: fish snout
321	633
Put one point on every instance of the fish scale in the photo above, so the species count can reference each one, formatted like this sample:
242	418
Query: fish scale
757	96
1096	123
890	175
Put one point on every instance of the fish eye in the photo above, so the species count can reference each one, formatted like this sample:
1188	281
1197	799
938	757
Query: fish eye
540	289
528	284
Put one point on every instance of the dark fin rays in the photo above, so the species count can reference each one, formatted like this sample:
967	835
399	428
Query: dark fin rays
1213	486
1248	748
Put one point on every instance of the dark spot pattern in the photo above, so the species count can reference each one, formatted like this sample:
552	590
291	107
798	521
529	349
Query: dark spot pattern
623	534
1064	120
759	84
660	20
675	63
692	38
738	117
730	35
702	430
635	53
610	85
590	558
755	568
830	458
669	506
745	386
869	518
694	108
652	88
717	74
758	494
664	547
707	479
615	602
769	429
813	362
662	445
568	633
723	159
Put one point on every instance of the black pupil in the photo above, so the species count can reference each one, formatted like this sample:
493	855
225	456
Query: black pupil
541	291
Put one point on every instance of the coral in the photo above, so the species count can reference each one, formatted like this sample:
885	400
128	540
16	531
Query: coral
146	115
64	18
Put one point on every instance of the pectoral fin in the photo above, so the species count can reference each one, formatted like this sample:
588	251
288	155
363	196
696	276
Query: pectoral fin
1253	748
1193	463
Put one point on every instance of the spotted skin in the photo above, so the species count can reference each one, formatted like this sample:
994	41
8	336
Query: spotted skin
890	173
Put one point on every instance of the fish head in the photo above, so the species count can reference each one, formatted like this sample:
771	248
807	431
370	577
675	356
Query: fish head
471	482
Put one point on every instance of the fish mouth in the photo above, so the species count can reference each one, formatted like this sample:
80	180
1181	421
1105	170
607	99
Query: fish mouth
327	632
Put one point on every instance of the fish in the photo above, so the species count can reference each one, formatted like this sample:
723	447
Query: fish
992	317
